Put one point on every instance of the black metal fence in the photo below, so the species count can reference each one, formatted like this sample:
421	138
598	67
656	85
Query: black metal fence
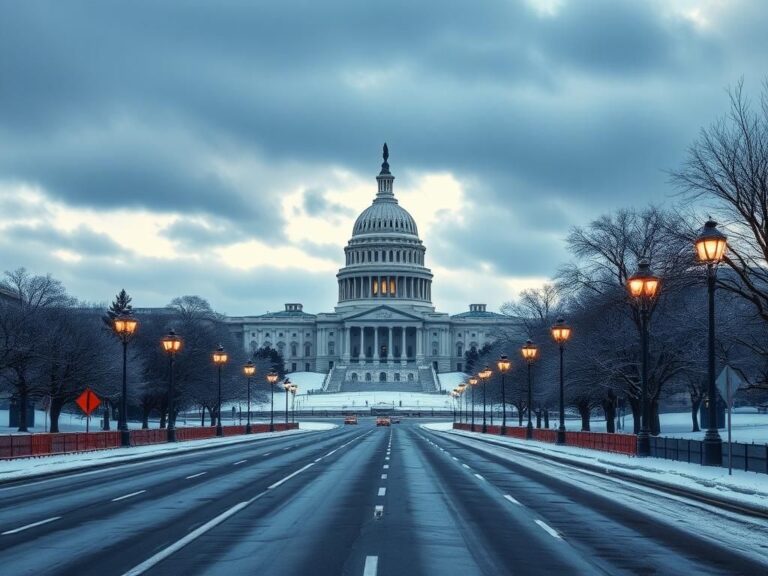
749	457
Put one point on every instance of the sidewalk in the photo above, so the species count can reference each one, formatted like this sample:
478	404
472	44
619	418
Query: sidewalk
43	466
748	489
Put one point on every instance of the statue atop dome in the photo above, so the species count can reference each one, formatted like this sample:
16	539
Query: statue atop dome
385	164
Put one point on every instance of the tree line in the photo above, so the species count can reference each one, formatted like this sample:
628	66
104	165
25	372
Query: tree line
53	347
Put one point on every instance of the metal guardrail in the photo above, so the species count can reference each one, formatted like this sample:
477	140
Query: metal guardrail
747	457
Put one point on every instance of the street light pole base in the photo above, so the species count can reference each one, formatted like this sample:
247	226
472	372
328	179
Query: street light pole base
248	429
560	436
712	448
503	431
125	438
171	434
219	430
529	432
643	444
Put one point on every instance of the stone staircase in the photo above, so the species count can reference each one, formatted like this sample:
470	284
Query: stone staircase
335	379
428	380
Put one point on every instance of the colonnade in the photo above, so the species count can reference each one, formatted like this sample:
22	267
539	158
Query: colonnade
375	286
389	343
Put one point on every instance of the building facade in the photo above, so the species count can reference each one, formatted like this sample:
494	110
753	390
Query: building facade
384	332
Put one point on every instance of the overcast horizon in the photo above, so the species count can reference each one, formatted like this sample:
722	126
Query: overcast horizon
225	151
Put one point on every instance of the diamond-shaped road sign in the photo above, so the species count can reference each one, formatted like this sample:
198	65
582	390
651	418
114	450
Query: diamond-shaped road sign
88	401
727	383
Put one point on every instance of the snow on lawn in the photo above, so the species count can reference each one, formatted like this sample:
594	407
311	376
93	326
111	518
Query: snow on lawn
347	400
43	465
449	380
743	487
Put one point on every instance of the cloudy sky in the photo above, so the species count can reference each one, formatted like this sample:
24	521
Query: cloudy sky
225	148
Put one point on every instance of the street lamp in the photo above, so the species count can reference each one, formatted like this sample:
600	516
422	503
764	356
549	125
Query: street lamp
529	352
249	370
125	326
560	334
643	286
220	358
287	388
473	384
272	378
710	249
454	395
504	365
484	374
462	409
294	387
171	344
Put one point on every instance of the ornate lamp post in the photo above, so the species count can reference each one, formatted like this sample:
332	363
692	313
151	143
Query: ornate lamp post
294	387
504	365
454	395
171	344
125	326
473	384
249	370
287	388
220	358
711	245
484	375
272	378
560	334
529	352
643	286
462	409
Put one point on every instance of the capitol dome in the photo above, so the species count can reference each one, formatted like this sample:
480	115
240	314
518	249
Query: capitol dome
384	256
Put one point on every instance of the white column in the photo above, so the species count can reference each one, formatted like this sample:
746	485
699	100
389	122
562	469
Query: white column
376	344
347	332
390	350
362	343
419	343
402	348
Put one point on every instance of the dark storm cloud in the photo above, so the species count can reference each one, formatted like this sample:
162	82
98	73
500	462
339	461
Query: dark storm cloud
215	112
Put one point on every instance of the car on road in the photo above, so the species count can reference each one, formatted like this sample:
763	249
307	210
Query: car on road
350	420
382	421
394	419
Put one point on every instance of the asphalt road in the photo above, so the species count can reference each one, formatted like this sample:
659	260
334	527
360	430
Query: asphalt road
361	500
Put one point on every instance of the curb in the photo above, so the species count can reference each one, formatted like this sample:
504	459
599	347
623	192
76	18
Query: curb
692	494
142	458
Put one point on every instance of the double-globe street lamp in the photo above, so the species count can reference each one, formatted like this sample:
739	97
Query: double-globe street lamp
473	384
171	345
484	375
504	365
272	379
529	352
294	387
454	395
220	358
711	245
249	370
125	327
643	286
462	409
560	334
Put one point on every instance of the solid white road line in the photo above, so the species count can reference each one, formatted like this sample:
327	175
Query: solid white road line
549	530
195	534
195	475
239	462
28	526
478	476
511	499
131	495
371	566
382	491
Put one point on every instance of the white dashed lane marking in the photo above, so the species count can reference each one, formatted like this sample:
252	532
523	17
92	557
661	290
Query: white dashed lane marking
239	462
382	491
195	475
511	499
371	566
549	530
28	526
478	476
131	495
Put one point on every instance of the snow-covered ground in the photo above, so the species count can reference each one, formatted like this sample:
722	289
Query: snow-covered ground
742	487
33	466
346	400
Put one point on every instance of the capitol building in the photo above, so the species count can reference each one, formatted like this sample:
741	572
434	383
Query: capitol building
384	332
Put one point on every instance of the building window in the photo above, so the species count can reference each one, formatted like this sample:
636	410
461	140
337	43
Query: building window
410	377
294	349
293	366
330	348
307	350
330	333
459	367
434	348
294	334
397	376
434	365
354	376
367	376
459	349
330	365
306	367
307	334
473	334
382	377
253	334
280	335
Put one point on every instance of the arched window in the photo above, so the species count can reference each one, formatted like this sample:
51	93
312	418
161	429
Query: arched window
307	350
330	348
459	349
410	377
294	349
367	376
397	376
434	348
354	376
382	377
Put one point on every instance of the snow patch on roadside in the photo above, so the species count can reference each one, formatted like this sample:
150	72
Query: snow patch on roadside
750	488
43	465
